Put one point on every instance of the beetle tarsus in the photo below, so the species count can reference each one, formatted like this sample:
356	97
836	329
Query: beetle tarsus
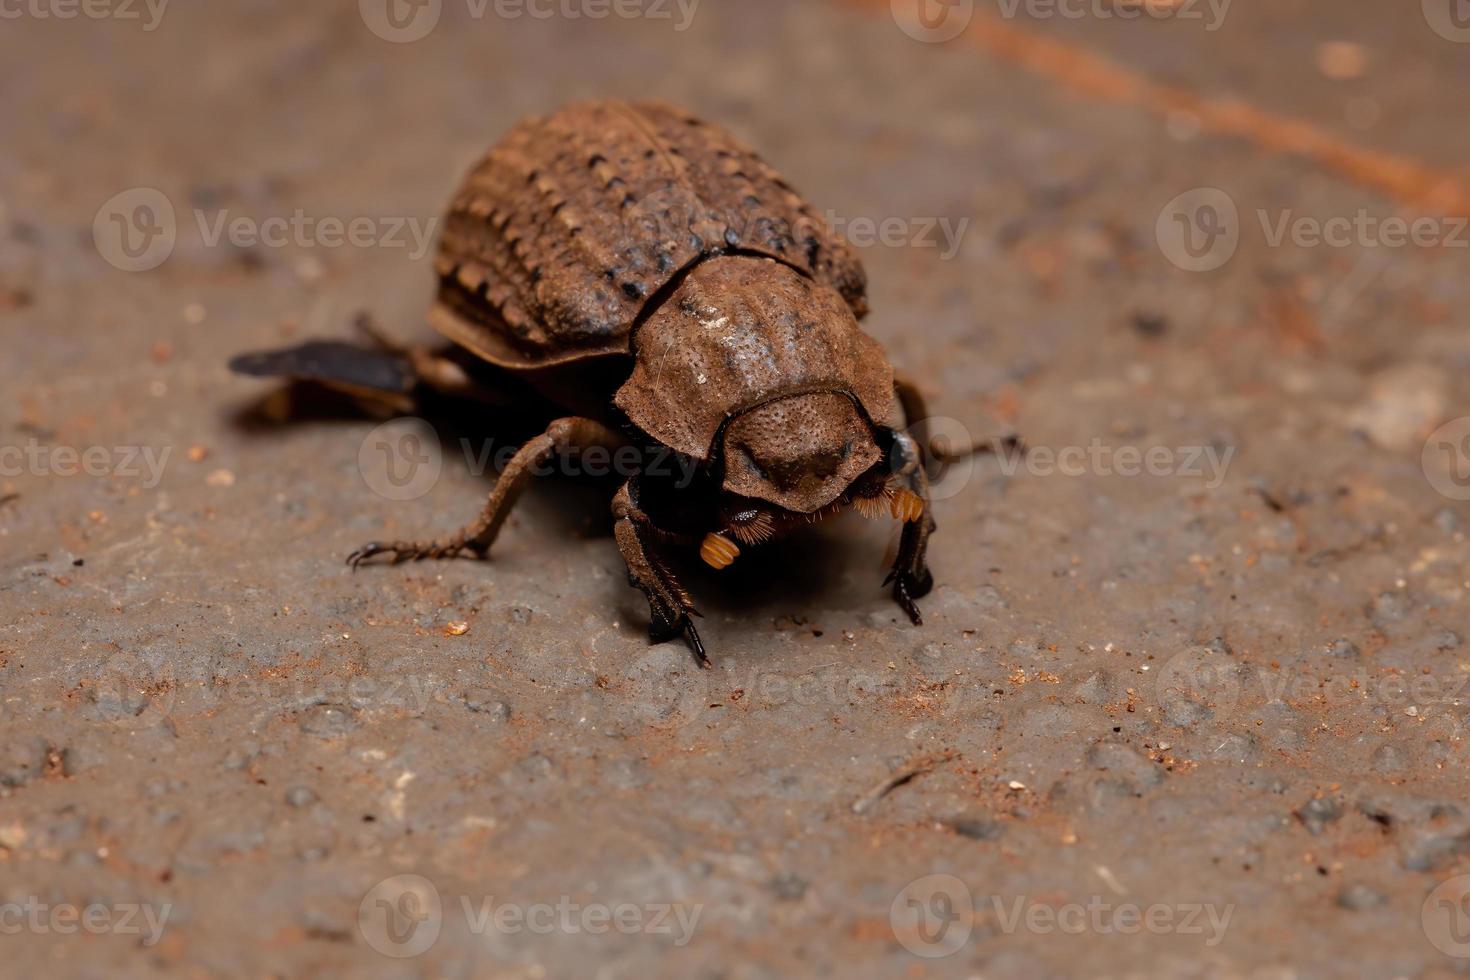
402	551
907	588
692	635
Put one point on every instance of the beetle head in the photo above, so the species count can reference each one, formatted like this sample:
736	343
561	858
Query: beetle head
800	453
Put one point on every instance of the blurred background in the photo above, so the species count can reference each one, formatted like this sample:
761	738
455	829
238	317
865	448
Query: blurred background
1191	695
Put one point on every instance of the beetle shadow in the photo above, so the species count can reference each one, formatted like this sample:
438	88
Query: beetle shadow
474	437
785	577
835	568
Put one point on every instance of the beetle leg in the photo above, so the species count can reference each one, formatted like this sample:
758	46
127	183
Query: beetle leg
669	605
560	436
916	416
384	378
431	368
910	576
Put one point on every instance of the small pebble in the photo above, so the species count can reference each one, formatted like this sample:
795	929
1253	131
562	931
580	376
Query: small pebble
300	796
485	703
1359	897
1318	812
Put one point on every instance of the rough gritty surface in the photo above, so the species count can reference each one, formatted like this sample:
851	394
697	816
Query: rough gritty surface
1159	690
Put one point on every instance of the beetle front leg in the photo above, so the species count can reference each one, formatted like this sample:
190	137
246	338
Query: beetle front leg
910	576
670	607
561	436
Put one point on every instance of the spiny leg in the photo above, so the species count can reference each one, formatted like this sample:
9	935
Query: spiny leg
561	436
670	607
910	575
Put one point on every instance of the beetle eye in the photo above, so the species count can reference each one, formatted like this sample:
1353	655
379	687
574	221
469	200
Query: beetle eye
904	456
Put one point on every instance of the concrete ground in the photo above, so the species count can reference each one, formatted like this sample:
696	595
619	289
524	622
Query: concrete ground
1191	695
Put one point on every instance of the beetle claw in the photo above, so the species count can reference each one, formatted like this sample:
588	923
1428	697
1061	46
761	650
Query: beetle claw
692	635
364	553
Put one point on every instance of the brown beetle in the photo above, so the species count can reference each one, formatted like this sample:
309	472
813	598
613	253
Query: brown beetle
697	304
